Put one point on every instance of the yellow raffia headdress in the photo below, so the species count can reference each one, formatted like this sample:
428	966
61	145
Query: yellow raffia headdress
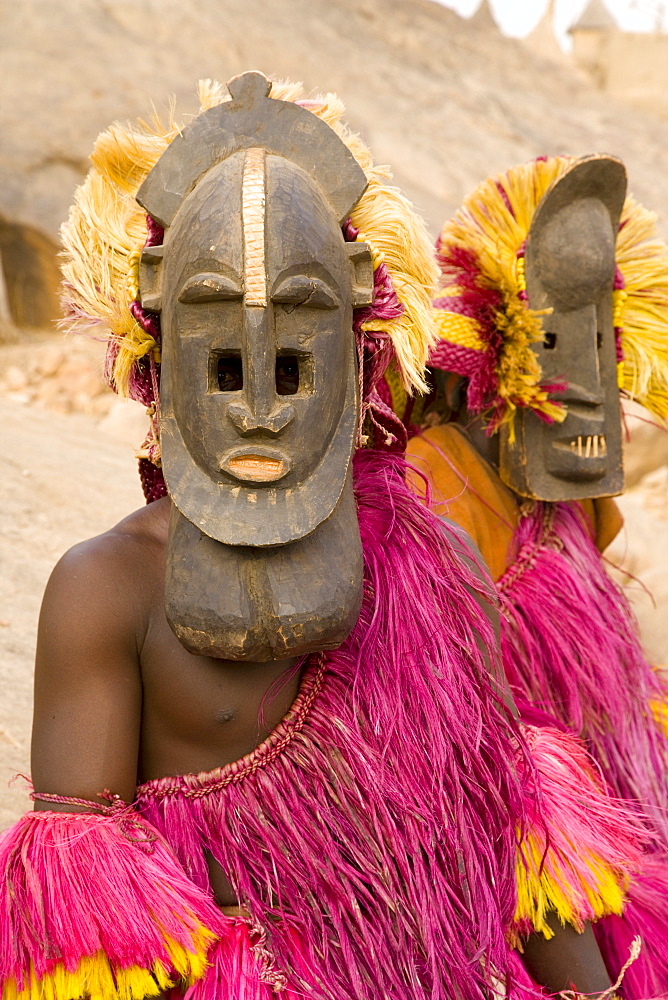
486	326
107	230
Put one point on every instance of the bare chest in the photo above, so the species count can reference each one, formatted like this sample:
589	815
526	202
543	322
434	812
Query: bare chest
199	713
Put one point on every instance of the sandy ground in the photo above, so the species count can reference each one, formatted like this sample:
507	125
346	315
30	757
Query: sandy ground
638	559
69	476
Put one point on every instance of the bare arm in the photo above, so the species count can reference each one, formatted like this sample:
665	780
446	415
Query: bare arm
88	701
567	961
87	682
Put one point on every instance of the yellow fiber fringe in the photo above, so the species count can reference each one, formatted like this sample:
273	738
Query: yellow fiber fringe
95	978
544	888
659	710
518	367
486	225
494	222
107	228
456	328
643	260
398	392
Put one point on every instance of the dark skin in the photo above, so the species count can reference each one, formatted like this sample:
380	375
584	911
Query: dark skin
119	701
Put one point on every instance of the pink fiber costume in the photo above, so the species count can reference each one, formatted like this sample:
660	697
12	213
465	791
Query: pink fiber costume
570	642
374	838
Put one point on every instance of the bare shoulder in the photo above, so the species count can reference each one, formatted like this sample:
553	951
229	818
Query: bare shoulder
143	528
101	589
127	554
88	691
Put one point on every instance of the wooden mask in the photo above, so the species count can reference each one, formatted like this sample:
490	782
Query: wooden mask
258	397
570	270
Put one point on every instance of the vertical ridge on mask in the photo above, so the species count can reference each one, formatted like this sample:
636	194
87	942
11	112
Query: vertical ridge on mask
252	207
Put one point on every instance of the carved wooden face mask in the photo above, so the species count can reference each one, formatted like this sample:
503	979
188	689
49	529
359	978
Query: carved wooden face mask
570	269
258	394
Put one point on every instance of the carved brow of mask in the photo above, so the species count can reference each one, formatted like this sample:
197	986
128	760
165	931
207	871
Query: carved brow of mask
300	290
210	287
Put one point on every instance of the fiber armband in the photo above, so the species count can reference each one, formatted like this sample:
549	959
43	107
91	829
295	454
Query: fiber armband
97	905
581	847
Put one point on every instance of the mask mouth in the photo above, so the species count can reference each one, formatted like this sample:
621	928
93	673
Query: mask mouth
256	465
579	457
584	446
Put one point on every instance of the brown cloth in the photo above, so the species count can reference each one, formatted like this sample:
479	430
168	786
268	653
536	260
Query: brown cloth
467	489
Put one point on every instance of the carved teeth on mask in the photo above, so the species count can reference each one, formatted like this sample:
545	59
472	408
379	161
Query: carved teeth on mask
589	446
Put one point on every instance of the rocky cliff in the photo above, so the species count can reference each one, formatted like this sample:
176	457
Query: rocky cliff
444	100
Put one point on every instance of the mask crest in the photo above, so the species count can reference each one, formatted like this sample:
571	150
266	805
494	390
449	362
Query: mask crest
251	119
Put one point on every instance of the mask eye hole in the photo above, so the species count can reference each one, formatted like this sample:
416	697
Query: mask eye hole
599	340
287	374
226	373
550	341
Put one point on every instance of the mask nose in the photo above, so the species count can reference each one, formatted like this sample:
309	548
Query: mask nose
576	393
575	358
260	411
248	422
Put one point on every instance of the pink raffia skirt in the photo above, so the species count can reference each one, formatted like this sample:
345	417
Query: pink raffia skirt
240	968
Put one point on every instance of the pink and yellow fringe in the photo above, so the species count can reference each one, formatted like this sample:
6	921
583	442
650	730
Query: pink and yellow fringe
88	910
